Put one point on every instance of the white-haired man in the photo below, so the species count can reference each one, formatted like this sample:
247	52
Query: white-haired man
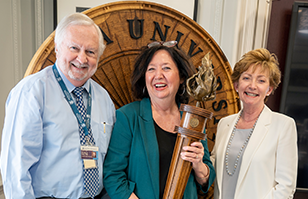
57	119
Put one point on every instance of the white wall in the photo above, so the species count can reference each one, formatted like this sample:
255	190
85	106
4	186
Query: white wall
15	49
6	54
7	74
238	26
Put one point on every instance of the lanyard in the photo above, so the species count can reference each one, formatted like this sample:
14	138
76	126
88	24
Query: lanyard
85	125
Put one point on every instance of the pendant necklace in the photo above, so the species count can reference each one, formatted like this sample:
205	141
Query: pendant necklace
242	148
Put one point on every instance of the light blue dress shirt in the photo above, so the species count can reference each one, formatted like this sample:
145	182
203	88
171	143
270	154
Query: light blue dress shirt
40	153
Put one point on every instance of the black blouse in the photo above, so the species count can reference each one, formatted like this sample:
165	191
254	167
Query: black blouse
166	141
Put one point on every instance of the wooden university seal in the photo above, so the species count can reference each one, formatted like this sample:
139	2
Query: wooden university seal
129	25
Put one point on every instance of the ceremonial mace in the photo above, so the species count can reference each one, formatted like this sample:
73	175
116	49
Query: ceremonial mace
202	87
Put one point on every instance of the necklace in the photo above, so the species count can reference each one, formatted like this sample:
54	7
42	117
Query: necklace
241	150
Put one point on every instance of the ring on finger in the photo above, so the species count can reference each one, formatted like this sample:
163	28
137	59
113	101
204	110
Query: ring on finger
196	156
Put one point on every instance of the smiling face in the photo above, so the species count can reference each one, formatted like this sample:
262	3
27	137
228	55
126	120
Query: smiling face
77	55
253	86
162	77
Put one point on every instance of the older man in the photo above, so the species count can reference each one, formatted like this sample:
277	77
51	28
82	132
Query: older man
58	121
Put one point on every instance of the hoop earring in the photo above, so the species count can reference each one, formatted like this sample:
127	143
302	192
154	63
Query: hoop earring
143	90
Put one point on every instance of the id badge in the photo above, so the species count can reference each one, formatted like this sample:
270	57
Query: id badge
89	155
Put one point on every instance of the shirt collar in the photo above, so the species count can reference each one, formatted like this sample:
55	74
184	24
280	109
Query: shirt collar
70	87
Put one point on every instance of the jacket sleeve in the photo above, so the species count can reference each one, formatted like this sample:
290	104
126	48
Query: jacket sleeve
208	162
286	161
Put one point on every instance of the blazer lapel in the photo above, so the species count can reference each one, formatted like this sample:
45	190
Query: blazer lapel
150	142
257	137
225	133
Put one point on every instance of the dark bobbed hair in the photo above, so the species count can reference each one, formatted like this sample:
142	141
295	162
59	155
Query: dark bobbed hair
182	61
259	57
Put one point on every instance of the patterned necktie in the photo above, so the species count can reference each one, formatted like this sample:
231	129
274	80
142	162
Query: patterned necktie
91	177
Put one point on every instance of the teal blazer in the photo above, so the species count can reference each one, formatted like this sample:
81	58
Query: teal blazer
132	160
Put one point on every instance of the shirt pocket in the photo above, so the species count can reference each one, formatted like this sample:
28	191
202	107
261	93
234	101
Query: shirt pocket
105	130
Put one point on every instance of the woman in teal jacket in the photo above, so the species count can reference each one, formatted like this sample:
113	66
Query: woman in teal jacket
143	138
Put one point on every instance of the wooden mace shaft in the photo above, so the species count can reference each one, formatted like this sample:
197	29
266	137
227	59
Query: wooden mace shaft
190	130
